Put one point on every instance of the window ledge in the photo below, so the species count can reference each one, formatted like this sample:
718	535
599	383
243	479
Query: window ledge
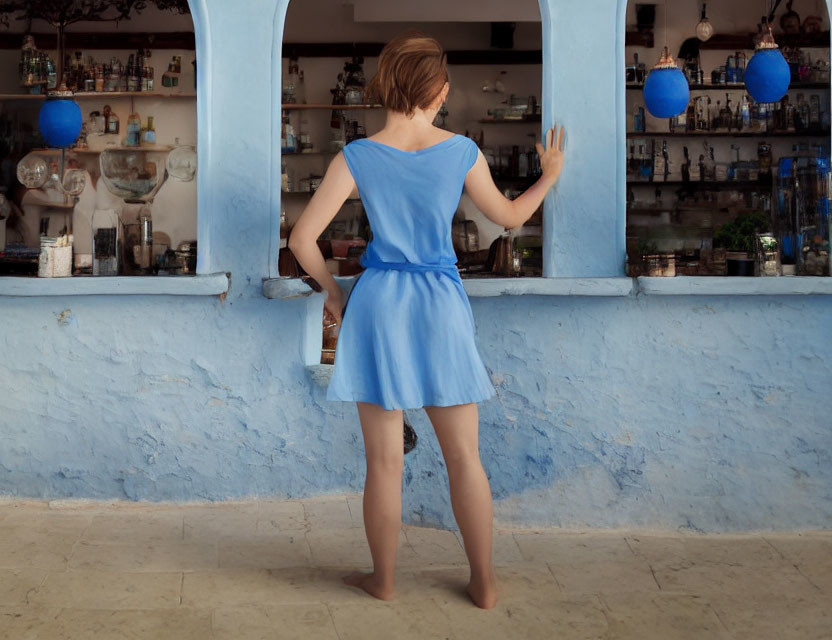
493	287
198	285
289	288
734	286
320	374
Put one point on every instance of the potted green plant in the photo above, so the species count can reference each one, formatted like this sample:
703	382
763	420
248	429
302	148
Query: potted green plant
738	237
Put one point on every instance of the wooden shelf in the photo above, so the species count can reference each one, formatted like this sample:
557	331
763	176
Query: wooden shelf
797	86
85	95
731	134
373	49
745	41
119	40
535	120
311	153
333	107
56	152
704	186
639	39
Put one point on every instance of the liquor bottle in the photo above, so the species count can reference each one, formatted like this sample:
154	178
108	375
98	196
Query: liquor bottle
51	74
139	69
134	130
814	112
291	83
726	116
686	166
99	79
300	94
803	113
638	119
659	166
111	121
114	77
129	71
149	136
745	113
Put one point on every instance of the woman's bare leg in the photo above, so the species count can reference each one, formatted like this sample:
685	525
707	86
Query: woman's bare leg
384	447
457	429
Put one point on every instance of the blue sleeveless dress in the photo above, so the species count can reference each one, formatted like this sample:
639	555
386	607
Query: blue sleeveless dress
407	337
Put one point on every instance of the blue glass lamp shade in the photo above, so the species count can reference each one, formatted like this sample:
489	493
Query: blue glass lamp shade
767	76
60	121
666	91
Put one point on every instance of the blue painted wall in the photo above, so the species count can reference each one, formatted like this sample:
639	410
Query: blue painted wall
708	413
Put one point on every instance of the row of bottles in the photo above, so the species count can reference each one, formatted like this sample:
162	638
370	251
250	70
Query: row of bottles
36	69
650	161
108	122
294	88
801	215
136	76
750	116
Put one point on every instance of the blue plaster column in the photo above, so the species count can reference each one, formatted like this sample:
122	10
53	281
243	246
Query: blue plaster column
236	118
583	88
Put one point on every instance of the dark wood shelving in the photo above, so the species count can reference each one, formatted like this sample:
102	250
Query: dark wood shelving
106	40
373	49
731	134
797	86
639	39
331	107
531	120
704	186
745	41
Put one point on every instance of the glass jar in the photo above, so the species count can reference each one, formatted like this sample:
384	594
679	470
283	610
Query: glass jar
106	237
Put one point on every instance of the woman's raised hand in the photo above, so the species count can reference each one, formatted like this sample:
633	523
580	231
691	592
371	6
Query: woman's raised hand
551	158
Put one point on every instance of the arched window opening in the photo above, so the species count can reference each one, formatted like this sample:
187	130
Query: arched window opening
730	186
121	194
496	77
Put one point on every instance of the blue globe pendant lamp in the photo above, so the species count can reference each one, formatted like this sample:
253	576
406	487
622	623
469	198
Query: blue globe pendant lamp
666	91
767	76
60	119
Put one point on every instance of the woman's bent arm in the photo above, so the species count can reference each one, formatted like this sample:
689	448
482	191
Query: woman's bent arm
337	185
512	213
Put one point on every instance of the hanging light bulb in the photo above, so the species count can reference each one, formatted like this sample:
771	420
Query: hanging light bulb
666	91
704	30
767	76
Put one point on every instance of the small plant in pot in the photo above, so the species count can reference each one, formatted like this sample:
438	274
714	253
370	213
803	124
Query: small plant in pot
739	238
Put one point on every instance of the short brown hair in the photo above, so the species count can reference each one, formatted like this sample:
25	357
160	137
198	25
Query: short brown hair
412	69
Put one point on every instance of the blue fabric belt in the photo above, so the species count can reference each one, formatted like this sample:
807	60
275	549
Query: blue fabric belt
368	262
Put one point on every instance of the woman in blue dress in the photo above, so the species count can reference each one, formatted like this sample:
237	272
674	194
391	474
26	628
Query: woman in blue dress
407	336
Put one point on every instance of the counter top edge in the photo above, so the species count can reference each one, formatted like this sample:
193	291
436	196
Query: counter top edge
209	284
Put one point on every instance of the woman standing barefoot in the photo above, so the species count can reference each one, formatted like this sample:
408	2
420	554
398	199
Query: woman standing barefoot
408	340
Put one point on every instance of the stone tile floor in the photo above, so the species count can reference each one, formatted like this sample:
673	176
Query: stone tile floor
268	569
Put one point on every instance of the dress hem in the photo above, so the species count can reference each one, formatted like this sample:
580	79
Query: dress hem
391	408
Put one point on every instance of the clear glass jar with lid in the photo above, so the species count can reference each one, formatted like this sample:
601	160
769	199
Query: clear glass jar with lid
106	238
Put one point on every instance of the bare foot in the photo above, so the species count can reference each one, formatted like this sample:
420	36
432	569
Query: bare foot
483	592
368	582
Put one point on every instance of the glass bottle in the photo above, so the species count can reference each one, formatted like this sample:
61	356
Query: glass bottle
300	94
291	83
111	120
134	130
149	136
115	75
814	112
